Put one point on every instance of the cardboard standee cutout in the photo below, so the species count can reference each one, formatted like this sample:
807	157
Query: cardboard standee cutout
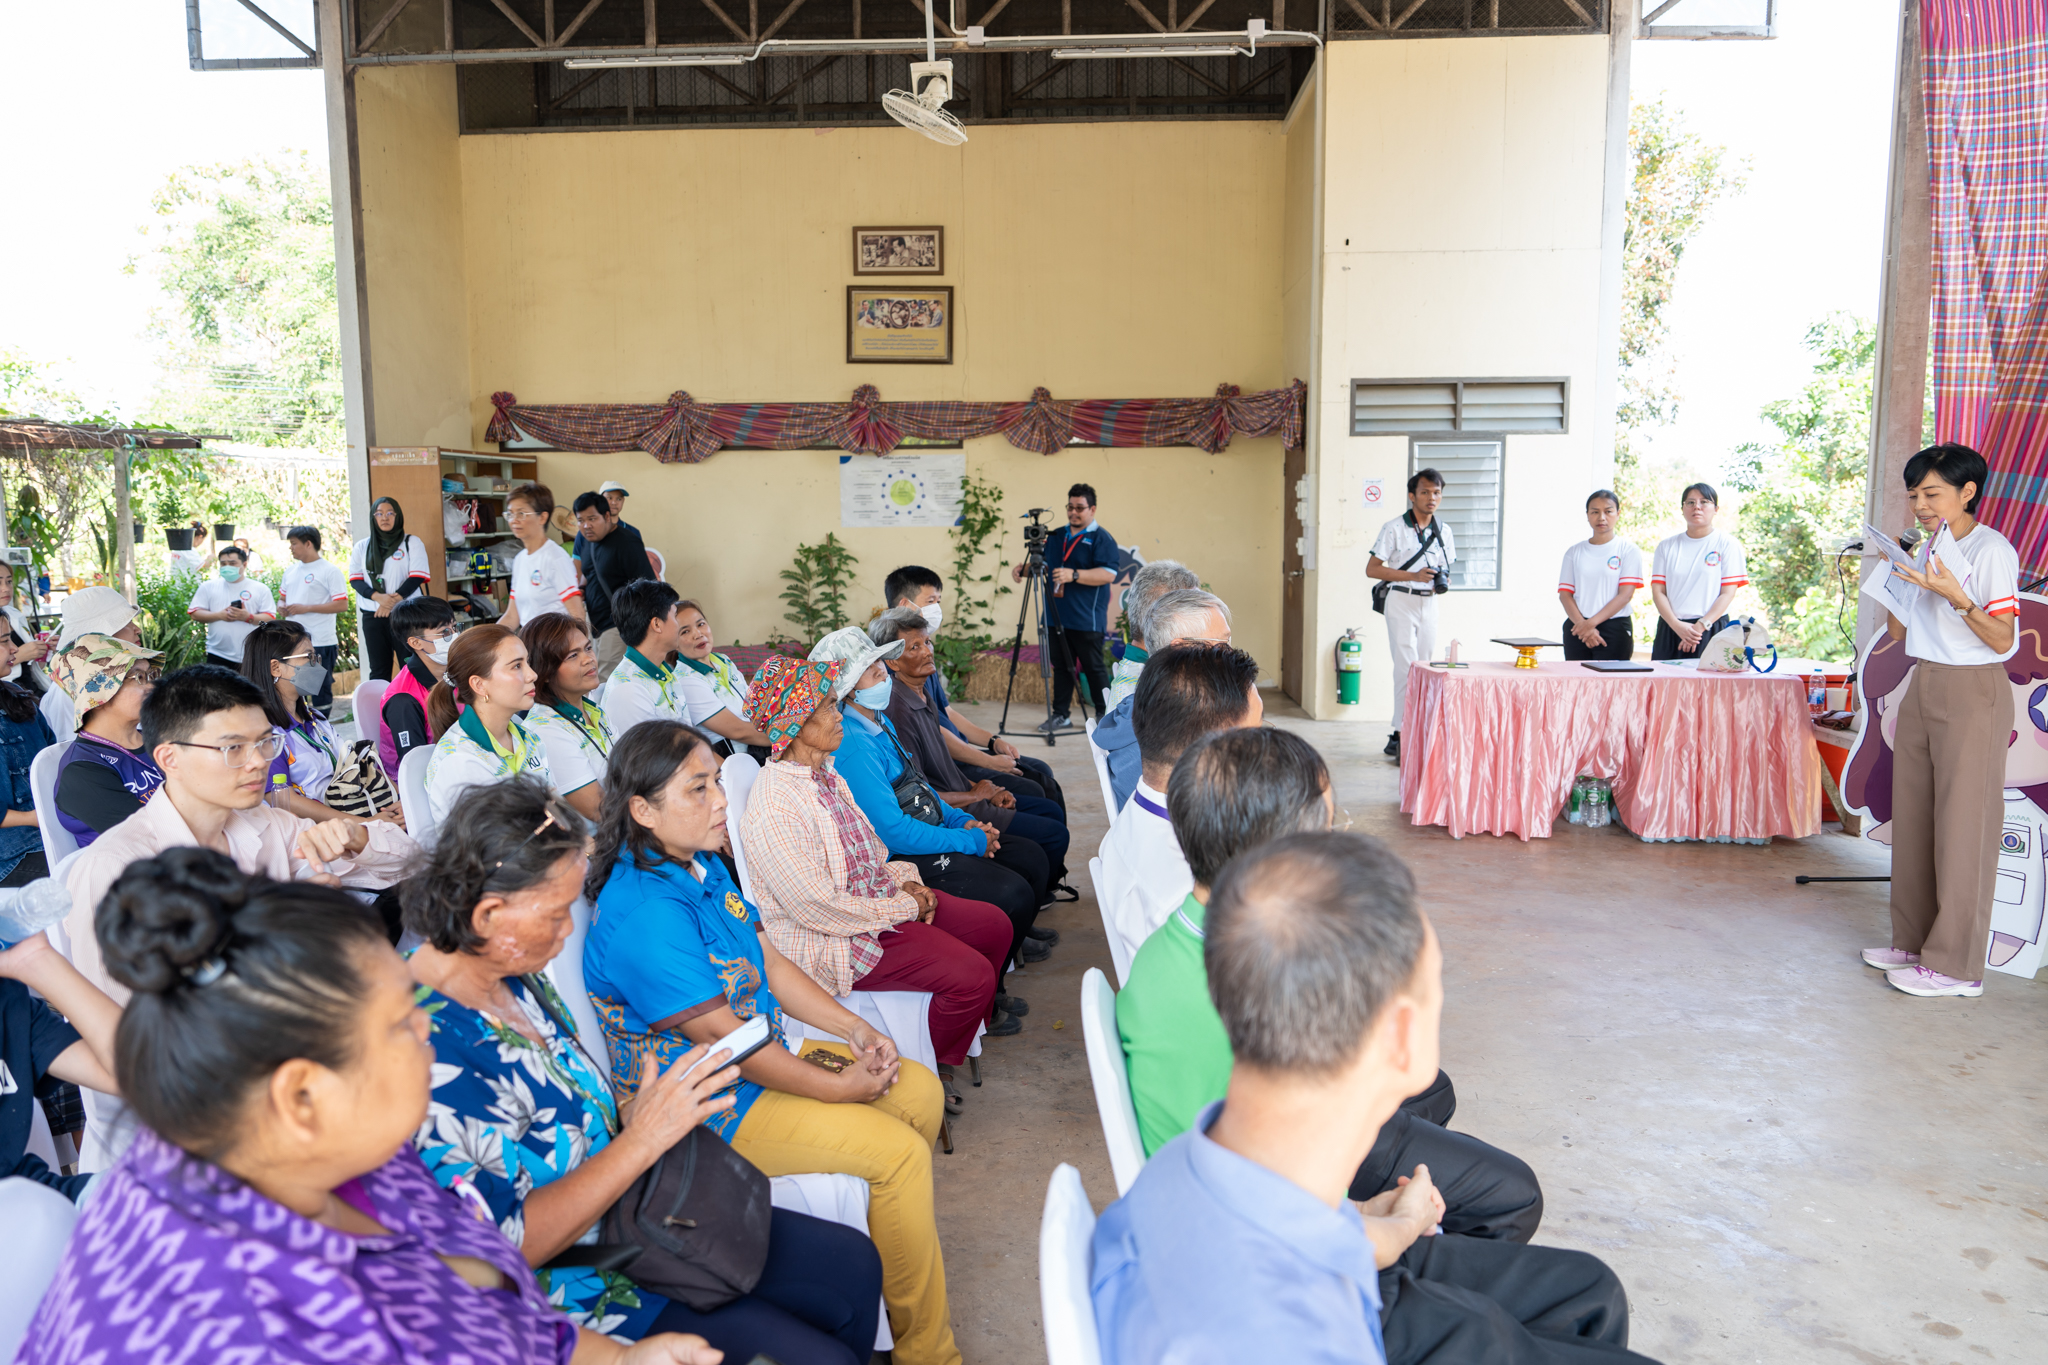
2016	945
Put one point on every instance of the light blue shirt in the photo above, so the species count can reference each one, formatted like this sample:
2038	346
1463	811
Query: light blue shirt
869	761
1117	737
1214	1258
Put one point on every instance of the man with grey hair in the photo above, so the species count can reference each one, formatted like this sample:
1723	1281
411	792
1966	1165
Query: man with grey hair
1176	616
1151	582
1329	983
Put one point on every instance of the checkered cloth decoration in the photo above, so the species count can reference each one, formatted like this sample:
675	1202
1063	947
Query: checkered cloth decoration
688	431
1986	87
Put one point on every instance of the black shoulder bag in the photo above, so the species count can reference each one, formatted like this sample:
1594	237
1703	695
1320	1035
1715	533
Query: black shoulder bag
1382	587
693	1226
914	796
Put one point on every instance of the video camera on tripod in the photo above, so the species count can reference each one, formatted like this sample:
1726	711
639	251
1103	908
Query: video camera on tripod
1032	613
1036	533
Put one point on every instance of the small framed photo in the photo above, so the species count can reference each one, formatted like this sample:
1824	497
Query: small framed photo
899	326
899	251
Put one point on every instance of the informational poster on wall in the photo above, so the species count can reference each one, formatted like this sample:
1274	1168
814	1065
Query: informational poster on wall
900	490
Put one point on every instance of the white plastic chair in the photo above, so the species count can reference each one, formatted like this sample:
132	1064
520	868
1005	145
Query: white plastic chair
841	1199
1119	955
42	780
1066	1263
366	707
39	1222
1101	757
412	791
566	971
1106	1067
738	772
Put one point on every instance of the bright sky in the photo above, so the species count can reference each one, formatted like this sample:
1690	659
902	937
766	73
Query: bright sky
1809	111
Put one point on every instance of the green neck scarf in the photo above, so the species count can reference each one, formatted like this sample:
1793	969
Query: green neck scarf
510	761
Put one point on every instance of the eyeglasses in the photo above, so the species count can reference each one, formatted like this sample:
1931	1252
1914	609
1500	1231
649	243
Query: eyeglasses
147	673
236	756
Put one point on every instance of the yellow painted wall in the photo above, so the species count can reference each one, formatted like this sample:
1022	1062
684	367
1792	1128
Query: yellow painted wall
1461	238
412	206
1099	260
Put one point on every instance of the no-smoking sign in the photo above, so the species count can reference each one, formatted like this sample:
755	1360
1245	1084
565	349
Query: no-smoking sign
1375	492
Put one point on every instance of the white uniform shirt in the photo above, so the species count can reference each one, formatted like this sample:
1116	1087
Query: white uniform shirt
459	763
576	756
225	638
408	561
190	561
706	694
20	626
1935	631
630	696
1398	542
542	580
1694	571
62	713
1144	876
316	584
1594	573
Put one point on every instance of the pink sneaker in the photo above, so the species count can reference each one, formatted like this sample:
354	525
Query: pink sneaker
1926	981
1890	959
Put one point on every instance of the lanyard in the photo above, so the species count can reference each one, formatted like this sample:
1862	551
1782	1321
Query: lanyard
317	740
511	761
590	721
1072	541
660	675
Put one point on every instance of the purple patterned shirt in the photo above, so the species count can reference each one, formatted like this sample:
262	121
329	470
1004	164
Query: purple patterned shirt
175	1260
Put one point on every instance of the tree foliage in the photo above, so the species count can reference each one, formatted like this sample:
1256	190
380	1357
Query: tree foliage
1676	178
244	255
1803	494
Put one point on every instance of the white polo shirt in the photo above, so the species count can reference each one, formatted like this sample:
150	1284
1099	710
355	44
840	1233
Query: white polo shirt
1398	541
226	638
459	762
1693	571
632	695
315	584
1936	631
722	688
542	580
408	561
577	754
1144	876
1595	573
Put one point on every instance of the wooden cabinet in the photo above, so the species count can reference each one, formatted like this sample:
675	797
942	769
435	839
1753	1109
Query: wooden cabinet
412	476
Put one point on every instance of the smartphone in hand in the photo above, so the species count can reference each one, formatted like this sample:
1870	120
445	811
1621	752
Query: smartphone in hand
743	1042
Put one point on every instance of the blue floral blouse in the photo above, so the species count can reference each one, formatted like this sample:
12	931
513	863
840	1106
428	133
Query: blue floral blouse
507	1116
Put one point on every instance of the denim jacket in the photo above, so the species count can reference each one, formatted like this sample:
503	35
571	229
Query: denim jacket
20	742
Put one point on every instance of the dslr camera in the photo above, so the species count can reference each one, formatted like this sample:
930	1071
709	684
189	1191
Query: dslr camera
1440	584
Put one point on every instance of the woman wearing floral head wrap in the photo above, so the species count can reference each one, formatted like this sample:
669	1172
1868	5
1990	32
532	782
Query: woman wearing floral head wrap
831	900
106	774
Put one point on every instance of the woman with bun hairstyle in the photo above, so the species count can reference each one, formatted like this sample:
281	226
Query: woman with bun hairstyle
475	711
677	958
494	910
278	1060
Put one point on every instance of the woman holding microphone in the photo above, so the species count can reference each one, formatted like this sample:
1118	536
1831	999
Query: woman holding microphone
1693	576
1948	758
1598	581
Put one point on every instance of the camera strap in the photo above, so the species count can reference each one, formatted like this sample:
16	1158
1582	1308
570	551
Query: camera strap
1435	537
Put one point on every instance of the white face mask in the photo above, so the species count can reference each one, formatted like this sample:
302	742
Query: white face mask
934	615
437	650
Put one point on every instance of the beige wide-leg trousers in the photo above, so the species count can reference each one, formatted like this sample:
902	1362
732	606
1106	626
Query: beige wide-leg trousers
1948	808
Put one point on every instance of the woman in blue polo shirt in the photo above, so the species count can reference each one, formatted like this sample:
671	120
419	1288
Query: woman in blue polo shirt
676	957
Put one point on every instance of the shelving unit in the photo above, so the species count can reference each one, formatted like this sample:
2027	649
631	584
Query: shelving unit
412	475
502	473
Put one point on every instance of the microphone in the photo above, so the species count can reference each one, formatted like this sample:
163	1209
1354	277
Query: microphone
1910	539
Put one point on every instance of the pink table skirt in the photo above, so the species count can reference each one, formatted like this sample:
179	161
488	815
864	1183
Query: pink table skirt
1493	749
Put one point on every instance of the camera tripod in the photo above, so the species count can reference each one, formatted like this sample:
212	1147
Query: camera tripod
1035	596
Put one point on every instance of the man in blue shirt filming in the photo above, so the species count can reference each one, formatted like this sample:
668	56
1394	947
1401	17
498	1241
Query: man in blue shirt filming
1081	561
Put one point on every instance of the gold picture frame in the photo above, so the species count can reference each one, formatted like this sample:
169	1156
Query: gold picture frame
899	326
899	251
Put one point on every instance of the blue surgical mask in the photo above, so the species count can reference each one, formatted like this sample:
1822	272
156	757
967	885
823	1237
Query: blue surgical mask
875	698
230	574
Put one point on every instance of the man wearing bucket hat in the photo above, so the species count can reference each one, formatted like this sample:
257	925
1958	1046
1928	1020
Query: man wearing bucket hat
106	774
89	611
952	852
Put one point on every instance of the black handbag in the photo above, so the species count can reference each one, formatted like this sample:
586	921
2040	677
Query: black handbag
692	1227
1381	588
914	796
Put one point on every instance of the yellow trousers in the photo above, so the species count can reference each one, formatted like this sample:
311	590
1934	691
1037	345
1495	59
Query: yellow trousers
888	1143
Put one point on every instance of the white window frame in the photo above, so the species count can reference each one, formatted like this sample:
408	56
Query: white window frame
1463	537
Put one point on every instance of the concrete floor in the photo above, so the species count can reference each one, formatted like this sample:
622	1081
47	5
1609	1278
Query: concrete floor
1783	1158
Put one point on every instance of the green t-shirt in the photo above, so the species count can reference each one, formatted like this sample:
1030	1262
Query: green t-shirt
1174	1044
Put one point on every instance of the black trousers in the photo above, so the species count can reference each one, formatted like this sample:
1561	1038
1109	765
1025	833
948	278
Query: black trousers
1458	1300
223	661
1487	1193
1013	881
326	654
1665	645
1069	645
1618	634
1032	778
379	646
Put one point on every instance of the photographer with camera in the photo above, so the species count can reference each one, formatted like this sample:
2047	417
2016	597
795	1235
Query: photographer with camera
1080	562
1413	557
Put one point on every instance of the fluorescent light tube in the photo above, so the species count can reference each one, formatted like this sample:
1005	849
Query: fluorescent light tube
1076	54
604	63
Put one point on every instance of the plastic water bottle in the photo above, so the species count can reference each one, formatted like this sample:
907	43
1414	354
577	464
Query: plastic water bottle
1596	804
1578	801
27	911
1817	694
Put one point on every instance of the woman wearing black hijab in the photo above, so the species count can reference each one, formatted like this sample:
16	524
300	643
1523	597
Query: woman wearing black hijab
387	567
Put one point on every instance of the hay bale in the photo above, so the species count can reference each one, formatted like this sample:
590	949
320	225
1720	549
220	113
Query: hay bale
992	675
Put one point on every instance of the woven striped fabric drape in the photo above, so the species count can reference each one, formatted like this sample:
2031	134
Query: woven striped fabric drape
1986	86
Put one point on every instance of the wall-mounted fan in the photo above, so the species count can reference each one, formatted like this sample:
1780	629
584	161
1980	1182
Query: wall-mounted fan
923	106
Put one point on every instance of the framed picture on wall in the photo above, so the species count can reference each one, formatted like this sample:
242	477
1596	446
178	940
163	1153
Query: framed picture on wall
899	326
899	251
